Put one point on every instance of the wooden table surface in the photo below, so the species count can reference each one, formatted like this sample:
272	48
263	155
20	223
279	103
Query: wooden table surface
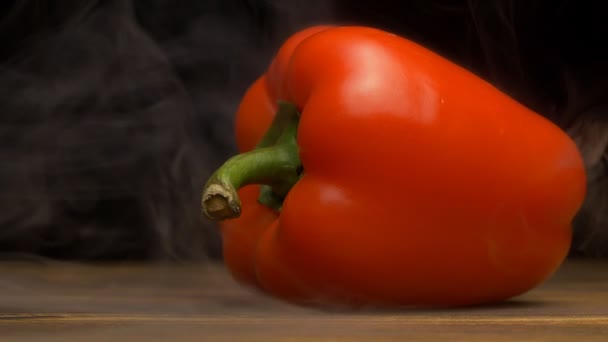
59	302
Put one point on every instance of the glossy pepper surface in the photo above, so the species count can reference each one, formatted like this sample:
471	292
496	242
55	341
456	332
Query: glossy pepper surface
375	172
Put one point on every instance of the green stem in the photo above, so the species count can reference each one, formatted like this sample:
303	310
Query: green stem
275	163
286	115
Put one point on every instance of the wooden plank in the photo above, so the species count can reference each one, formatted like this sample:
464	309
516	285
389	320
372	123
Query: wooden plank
201	302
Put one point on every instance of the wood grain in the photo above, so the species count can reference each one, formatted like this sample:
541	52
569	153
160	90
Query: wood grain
58	302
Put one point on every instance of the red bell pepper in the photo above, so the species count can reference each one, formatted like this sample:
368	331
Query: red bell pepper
375	172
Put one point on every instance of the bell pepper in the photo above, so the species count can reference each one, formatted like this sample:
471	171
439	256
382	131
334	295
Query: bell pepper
374	172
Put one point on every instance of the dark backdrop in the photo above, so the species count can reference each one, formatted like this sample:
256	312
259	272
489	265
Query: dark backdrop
113	113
